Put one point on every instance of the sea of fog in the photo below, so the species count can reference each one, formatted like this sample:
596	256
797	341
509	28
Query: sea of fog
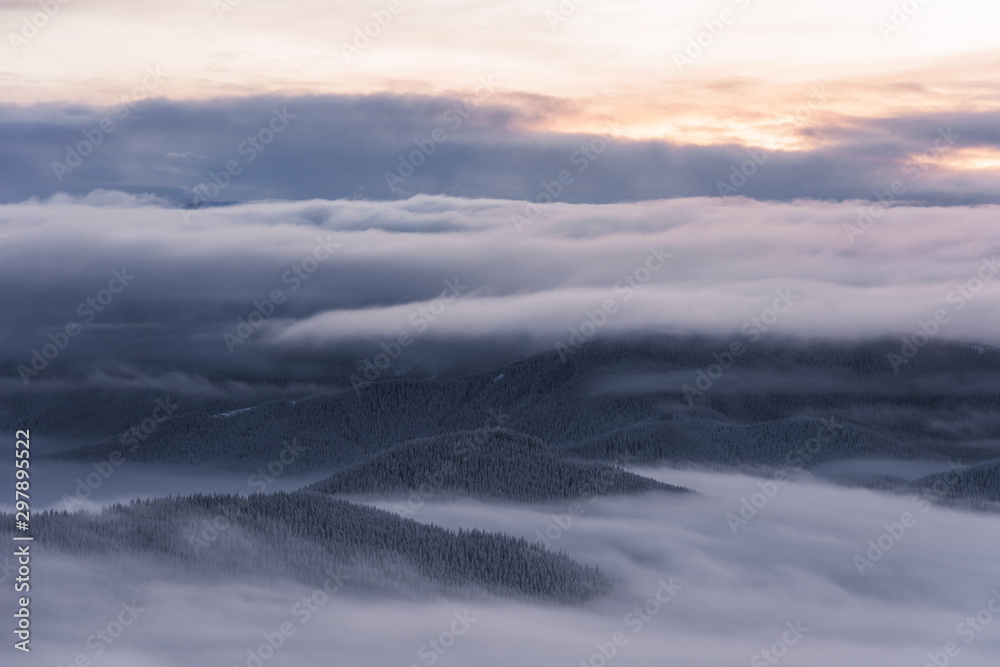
799	574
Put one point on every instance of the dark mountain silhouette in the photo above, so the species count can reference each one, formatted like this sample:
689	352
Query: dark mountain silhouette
488	464
605	401
309	537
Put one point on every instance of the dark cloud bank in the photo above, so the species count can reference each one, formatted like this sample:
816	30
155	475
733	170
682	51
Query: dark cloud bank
340	146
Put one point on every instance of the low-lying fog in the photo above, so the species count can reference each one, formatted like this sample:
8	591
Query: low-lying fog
791	572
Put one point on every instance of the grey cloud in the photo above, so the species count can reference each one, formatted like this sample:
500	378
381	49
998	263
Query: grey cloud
341	146
717	270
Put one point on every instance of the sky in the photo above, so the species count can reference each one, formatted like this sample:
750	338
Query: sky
839	96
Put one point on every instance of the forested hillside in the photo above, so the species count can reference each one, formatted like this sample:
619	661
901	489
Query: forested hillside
488	464
601	400
798	442
308	536
976	485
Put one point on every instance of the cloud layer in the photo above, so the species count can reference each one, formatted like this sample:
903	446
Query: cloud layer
489	143
201	289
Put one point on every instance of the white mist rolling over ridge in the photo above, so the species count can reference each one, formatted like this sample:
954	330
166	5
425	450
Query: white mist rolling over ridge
734	593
